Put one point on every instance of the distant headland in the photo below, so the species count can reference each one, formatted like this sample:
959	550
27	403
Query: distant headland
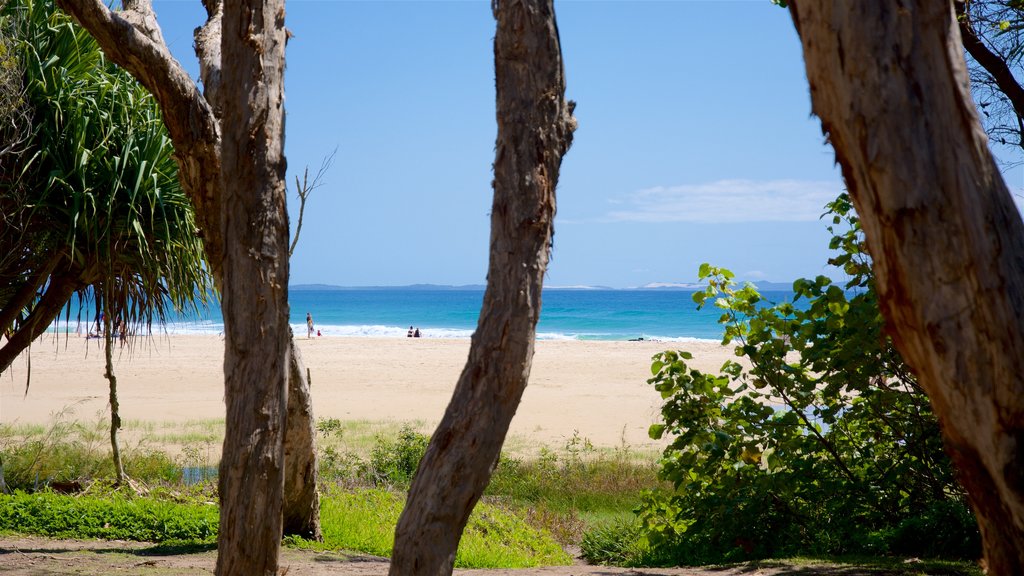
681	286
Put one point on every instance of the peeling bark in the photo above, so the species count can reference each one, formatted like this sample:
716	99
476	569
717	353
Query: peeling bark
258	354
255	299
889	82
535	127
301	497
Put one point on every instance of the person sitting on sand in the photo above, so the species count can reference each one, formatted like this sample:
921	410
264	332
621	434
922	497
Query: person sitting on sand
309	325
416	334
409	333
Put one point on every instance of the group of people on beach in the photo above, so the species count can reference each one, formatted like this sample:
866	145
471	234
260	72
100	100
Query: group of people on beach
413	332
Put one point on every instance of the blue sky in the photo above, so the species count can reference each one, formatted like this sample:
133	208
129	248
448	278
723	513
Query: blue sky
695	141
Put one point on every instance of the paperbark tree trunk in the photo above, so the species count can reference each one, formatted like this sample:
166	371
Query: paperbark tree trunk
888	81
535	127
301	506
132	39
255	300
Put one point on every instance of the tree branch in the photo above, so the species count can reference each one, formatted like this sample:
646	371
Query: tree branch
990	61
304	189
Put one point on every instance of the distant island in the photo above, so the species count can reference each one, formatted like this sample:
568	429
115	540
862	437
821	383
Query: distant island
681	286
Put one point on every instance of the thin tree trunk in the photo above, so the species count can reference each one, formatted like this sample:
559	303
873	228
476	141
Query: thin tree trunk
255	299
115	414
890	84
535	128
301	497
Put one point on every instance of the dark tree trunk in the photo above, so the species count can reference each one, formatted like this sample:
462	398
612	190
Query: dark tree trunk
257	337
535	128
889	82
301	498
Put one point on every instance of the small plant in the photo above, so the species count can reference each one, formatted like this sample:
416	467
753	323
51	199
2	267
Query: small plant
329	427
395	462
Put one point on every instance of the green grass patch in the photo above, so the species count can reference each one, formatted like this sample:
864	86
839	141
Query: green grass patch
364	521
110	517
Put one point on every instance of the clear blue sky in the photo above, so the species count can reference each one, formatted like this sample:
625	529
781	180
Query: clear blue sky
695	141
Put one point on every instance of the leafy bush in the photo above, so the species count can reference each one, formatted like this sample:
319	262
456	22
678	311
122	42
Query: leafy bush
112	517
394	462
824	444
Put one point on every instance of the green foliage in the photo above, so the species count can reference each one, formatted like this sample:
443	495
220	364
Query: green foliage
112	517
822	443
364	521
394	462
93	203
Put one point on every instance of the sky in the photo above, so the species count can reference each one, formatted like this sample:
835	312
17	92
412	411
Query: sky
695	141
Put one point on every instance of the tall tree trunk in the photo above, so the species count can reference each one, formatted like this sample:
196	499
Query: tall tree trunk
535	128
889	82
301	498
255	300
131	38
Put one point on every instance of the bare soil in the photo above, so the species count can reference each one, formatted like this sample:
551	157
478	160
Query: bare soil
34	556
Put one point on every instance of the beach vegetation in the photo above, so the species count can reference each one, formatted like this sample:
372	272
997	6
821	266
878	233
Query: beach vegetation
92	200
364	520
110	516
822	442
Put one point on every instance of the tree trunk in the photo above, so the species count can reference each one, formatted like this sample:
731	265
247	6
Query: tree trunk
535	128
131	38
255	300
301	498
889	82
115	407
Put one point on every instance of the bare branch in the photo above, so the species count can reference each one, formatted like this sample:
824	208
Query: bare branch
304	189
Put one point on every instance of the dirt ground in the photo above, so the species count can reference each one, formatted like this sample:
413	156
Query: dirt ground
32	556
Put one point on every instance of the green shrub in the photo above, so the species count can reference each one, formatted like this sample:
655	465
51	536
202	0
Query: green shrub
621	543
111	517
823	444
394	462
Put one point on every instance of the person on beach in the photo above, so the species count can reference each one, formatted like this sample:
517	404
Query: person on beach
309	325
416	334
409	333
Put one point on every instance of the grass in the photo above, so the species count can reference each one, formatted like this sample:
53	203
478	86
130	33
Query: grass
111	516
364	520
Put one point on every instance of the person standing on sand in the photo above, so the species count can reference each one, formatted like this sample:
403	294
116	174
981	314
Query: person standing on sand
309	325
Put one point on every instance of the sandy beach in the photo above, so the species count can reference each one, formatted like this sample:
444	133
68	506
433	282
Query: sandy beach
595	388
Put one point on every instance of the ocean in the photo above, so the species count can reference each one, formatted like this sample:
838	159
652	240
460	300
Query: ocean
567	314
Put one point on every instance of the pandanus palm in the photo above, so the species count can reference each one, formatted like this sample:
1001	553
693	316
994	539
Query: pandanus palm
90	203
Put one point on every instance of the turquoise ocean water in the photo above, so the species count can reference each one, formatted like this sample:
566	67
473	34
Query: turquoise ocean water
584	314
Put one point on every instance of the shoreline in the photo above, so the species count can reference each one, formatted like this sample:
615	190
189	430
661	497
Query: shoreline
595	389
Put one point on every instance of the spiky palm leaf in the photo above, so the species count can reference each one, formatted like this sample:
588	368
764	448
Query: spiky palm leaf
96	200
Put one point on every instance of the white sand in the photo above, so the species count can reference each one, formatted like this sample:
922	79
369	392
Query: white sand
596	388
